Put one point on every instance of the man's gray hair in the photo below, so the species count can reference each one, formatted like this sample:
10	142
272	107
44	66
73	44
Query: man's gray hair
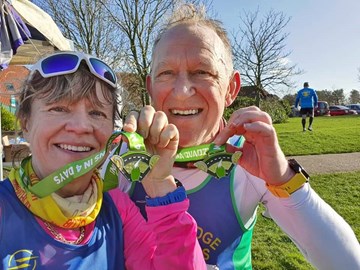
189	14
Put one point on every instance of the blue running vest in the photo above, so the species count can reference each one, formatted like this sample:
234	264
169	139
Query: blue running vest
224	240
25	245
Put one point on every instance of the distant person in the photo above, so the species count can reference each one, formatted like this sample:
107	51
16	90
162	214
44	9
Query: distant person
308	99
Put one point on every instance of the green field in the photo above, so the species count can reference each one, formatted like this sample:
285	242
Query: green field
272	249
336	134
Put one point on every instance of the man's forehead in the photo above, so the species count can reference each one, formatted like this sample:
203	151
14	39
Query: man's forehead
184	32
195	39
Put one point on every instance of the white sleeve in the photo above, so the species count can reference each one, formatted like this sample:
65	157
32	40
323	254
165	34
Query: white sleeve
321	234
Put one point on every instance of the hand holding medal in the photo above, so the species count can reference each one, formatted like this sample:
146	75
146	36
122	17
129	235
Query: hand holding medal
136	162
210	158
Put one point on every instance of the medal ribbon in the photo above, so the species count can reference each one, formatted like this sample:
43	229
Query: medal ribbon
134	165
73	170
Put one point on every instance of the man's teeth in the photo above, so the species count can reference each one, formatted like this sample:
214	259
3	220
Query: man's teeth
75	148
186	112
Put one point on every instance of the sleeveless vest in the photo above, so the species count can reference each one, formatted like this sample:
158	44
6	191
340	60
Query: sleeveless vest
25	245
223	239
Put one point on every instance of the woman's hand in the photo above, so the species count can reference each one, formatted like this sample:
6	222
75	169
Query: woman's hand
162	139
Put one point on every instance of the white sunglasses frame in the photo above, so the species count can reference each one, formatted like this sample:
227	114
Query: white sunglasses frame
81	56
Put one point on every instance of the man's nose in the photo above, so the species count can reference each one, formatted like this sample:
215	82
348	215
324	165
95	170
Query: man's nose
183	87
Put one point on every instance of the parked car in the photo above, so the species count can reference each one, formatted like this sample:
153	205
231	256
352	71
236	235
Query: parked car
340	110
322	108
355	107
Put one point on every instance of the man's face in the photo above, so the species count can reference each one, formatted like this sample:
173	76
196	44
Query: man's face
190	82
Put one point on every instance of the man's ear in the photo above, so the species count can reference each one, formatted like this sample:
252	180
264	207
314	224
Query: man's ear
233	88
148	84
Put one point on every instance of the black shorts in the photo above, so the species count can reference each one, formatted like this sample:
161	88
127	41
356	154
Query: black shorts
307	111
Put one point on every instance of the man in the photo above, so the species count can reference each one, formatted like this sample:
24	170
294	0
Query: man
307	99
192	81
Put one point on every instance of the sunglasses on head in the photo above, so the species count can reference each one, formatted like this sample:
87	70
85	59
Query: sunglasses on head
62	63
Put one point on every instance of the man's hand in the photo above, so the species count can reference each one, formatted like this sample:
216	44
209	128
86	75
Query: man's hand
262	155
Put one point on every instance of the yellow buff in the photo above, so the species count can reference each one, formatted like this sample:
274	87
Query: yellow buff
46	208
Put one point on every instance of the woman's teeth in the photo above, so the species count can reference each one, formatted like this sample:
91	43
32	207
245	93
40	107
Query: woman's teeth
75	148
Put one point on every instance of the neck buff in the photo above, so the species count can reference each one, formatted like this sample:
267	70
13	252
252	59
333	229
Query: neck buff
47	207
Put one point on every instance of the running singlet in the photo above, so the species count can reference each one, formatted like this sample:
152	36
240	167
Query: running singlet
27	246
223	239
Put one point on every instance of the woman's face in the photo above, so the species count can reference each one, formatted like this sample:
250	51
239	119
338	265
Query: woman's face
64	132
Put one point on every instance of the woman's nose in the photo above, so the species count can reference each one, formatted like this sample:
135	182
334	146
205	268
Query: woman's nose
79	122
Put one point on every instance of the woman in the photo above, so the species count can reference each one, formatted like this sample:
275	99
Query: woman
53	211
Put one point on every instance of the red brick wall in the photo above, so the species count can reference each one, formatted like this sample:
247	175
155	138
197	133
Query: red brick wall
14	75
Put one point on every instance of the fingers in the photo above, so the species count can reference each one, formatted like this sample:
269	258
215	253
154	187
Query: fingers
130	123
169	138
249	119
153	126
144	120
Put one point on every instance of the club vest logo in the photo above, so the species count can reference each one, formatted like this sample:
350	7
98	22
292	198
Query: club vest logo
22	259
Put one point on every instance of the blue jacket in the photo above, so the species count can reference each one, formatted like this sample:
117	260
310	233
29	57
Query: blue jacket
307	98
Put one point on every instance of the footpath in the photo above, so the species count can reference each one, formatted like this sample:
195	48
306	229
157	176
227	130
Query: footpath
319	164
329	163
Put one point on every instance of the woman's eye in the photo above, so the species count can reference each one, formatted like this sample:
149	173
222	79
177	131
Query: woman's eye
98	114
58	109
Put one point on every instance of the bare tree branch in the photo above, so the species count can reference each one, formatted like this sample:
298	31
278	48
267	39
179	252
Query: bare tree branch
259	51
89	26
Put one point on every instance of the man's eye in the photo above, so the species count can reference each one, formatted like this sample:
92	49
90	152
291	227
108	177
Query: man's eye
164	73
202	72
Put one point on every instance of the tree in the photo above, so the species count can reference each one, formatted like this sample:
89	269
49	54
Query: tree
259	51
290	98
324	95
338	96
89	26
354	97
8	120
138	22
120	31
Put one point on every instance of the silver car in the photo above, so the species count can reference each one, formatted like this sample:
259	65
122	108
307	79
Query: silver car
355	107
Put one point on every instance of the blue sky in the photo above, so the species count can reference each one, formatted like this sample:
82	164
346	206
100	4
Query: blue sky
324	37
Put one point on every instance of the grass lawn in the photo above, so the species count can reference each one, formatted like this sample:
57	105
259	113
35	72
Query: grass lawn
272	249
330	135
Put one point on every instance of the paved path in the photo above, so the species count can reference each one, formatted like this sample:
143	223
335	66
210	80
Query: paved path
330	163
320	164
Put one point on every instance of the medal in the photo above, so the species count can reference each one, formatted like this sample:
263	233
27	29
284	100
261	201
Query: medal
136	163
218	162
